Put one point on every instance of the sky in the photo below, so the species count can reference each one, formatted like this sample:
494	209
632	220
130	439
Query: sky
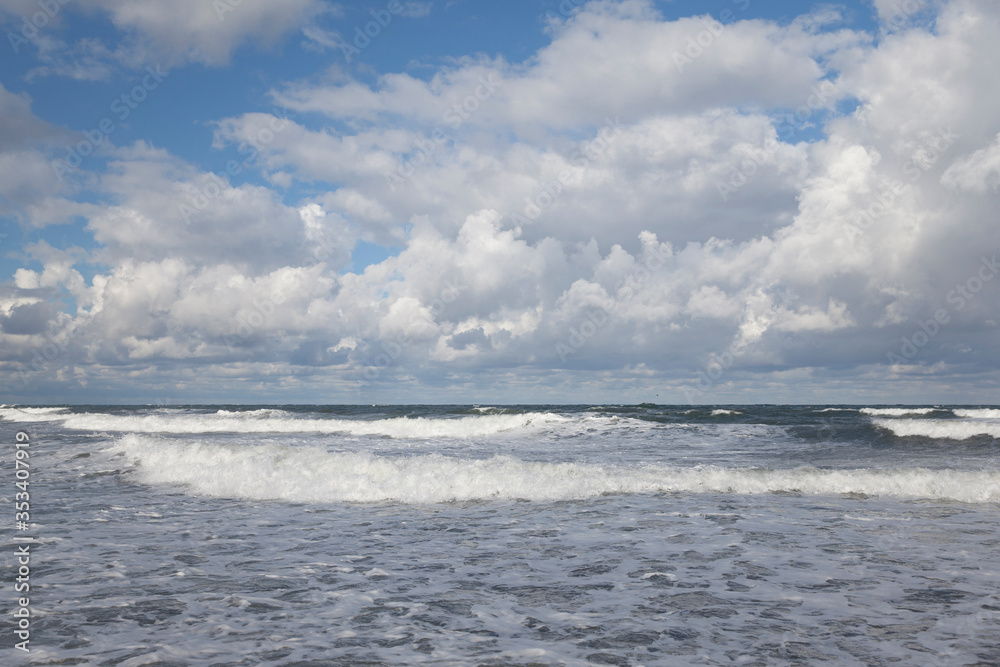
614	201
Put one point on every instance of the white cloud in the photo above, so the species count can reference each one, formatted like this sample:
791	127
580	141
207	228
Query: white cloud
902	14
28	183
194	31
163	34
21	127
417	10
690	227
642	65
159	206
978	172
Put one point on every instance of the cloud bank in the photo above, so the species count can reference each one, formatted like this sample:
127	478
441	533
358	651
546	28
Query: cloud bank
682	210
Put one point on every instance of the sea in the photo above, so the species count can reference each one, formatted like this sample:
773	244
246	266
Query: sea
524	535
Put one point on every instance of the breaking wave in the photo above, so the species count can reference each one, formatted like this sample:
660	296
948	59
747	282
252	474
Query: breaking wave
977	414
896	412
276	421
315	475
29	414
953	429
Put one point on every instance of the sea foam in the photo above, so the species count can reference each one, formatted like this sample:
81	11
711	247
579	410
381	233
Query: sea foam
29	414
977	414
315	475
953	429
262	422
895	412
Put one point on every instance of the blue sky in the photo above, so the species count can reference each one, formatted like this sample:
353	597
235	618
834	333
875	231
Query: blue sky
612	201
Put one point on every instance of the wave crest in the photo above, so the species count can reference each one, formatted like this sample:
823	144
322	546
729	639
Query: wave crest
896	412
259	422
952	429
314	475
981	413
29	414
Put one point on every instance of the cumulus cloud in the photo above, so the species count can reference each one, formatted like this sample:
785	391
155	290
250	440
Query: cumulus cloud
978	172
204	32
641	65
21	127
28	184
167	35
794	199
159	206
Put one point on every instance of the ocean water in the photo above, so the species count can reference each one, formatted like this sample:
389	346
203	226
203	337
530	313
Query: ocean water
525	535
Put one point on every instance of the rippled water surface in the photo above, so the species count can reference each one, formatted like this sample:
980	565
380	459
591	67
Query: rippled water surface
584	535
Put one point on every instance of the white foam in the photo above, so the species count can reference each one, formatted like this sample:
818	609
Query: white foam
398	427
954	429
895	412
978	414
253	414
715	413
28	414
312	474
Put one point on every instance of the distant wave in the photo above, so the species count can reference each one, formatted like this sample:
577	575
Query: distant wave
270	420
953	429
489	409
896	412
28	414
277	421
253	414
978	414
716	413
314	475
